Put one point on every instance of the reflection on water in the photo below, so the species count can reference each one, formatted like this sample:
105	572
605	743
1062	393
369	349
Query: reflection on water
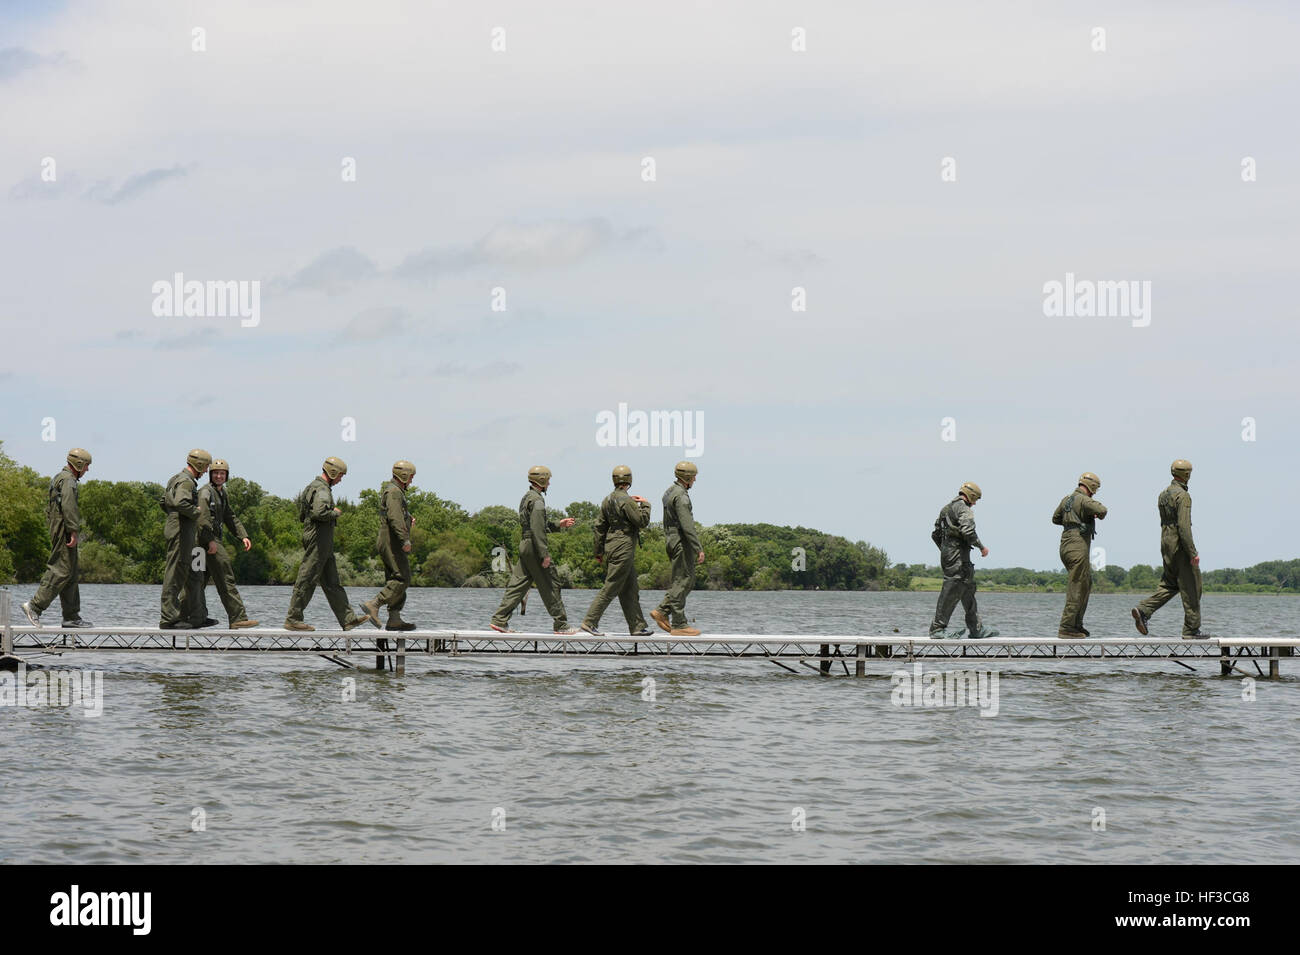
287	765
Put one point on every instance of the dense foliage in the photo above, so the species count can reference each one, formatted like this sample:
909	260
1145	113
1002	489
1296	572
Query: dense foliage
1270	577
122	542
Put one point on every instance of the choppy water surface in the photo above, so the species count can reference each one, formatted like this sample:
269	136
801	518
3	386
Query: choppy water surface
713	770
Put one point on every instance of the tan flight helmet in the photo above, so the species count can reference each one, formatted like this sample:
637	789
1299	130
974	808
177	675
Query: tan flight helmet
404	471
1181	469
79	459
219	464
685	470
971	490
540	475
198	459
1090	481
622	476
334	468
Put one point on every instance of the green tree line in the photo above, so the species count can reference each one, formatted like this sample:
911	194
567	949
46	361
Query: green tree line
122	542
1270	577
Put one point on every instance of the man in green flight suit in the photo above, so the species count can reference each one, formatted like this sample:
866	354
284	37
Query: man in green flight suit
1077	514
182	581
618	529
63	514
318	514
214	514
684	550
535	566
1182	572
955	534
394	544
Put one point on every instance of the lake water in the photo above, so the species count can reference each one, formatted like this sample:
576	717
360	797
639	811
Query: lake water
578	767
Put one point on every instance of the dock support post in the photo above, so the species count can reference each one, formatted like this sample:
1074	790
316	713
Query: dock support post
860	668
7	637
826	659
399	666
1225	662
1273	670
381	644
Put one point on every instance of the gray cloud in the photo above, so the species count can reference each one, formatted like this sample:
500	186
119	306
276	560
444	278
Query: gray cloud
430	264
548	244
134	186
493	428
542	244
16	59
101	190
374	324
800	259
331	272
493	369
796	260
1057	148
34	187
197	338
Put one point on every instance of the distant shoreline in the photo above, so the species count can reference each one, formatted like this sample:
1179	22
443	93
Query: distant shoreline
923	586
1027	589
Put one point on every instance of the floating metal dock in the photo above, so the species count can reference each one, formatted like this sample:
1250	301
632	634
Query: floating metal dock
825	653
824	650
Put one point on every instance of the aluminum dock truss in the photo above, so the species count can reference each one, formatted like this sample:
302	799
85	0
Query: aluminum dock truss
822	653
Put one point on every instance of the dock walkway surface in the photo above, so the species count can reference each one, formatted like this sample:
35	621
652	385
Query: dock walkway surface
821	652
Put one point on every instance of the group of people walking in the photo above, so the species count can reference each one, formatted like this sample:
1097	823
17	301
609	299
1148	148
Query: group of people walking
1077	515
198	516
196	555
618	527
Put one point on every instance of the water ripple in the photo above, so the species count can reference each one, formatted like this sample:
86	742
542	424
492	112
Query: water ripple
510	760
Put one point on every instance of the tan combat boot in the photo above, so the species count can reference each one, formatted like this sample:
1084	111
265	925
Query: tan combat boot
395	622
370	610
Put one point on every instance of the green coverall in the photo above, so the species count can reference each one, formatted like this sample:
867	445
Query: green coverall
63	514
316	510
1177	549
618	528
214	514
528	569
1077	515
683	544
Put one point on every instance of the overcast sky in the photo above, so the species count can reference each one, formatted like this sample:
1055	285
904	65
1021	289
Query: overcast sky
774	168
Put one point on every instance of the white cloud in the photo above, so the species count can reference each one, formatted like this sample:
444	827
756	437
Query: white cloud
774	169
